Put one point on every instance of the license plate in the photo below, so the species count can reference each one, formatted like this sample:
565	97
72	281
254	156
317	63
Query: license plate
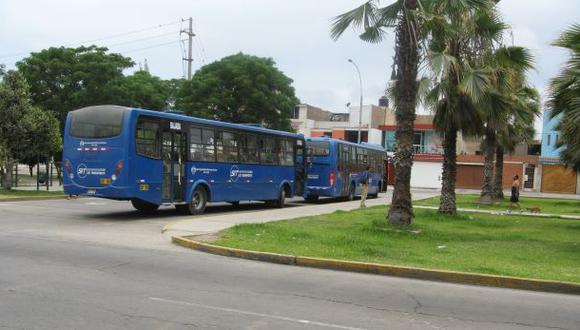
91	191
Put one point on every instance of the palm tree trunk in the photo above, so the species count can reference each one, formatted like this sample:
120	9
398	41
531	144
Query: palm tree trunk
8	174
498	181
406	60
447	203
489	153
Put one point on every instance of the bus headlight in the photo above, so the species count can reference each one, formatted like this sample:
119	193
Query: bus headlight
113	177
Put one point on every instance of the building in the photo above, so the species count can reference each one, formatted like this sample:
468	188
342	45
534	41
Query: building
378	126
555	177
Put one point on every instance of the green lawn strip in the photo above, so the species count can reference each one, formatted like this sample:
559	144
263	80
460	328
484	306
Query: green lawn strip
547	205
544	248
4	194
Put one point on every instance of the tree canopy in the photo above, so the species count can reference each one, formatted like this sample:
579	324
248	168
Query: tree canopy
565	97
63	79
25	130
143	90
240	89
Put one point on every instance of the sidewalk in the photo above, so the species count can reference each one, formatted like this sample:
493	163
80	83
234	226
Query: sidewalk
207	224
524	194
541	215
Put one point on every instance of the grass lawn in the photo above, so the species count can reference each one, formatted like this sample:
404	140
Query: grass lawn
547	205
28	194
542	248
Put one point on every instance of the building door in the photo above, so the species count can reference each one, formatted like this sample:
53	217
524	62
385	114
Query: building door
300	166
558	179
529	173
174	156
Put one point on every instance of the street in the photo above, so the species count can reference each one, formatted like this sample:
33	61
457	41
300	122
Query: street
97	264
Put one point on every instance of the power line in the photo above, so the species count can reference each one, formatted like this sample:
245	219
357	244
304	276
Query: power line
99	39
149	47
141	39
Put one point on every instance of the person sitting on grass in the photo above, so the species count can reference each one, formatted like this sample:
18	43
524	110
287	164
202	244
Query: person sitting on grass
515	194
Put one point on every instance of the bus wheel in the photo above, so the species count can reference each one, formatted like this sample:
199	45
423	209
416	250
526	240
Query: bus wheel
311	198
281	201
144	206
198	201
350	196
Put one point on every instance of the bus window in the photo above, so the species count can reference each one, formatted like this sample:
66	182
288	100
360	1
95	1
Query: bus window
106	122
227	147
319	148
147	138
268	154
249	151
201	144
286	154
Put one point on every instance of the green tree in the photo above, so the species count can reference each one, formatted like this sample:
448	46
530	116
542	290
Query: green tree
26	132
241	89
565	97
63	79
14	105
143	90
402	16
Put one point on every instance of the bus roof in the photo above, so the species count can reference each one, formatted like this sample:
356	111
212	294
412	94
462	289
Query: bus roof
364	144
182	117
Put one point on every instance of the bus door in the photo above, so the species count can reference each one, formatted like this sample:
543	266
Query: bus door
174	158
300	163
343	160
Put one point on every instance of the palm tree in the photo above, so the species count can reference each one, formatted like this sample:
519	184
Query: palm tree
502	105
517	129
463	32
565	97
402	16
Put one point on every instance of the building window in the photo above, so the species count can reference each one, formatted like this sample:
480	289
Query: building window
549	136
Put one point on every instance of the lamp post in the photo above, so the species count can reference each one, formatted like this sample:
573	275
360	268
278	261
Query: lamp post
361	98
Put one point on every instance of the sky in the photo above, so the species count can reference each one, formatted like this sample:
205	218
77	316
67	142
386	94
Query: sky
295	33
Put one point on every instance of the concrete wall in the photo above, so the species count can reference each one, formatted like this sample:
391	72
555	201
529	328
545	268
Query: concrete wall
426	174
375	136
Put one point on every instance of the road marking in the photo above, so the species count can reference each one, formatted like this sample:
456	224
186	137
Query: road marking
238	311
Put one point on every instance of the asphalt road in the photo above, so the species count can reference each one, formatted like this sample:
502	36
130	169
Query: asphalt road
95	264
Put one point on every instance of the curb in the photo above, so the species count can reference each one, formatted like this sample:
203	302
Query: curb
384	269
31	199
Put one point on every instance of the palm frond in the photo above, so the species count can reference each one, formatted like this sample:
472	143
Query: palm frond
362	17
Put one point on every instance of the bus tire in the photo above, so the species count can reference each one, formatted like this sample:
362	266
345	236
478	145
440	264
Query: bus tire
143	206
198	201
351	192
281	201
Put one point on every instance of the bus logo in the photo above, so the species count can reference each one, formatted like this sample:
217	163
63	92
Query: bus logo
193	170
82	171
234	173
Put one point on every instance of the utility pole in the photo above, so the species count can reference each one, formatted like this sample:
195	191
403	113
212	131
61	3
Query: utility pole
361	101
190	35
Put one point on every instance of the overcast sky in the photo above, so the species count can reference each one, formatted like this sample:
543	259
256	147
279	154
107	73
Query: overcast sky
295	33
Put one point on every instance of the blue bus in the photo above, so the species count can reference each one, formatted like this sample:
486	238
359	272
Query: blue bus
334	168
156	158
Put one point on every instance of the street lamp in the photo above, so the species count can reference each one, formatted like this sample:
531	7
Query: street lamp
361	98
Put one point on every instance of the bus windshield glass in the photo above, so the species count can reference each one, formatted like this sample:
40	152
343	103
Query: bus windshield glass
319	148
97	122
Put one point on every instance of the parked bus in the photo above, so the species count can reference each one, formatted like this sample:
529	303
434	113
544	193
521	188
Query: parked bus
156	158
334	168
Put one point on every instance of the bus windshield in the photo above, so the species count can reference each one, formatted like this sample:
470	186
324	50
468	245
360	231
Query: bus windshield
319	148
97	122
